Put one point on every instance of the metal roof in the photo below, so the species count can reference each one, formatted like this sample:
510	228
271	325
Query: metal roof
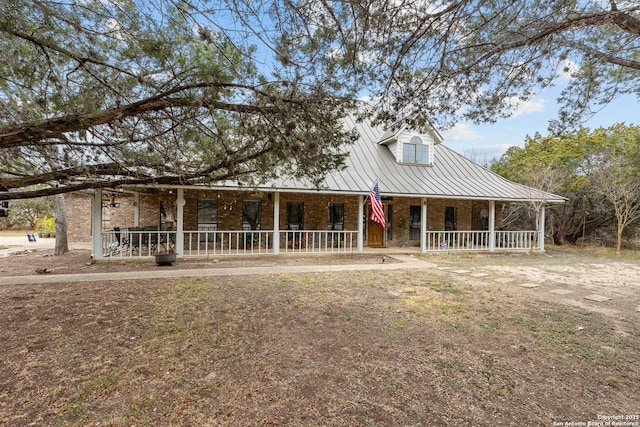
450	176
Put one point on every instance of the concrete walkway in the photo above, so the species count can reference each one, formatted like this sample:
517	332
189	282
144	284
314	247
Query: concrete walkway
406	262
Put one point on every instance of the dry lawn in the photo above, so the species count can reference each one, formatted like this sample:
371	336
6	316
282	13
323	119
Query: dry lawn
434	347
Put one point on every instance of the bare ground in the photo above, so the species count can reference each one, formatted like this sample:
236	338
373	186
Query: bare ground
483	340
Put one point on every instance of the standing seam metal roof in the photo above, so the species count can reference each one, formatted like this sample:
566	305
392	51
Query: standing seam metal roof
450	176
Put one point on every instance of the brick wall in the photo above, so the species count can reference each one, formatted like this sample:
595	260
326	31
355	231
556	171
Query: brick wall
316	212
78	207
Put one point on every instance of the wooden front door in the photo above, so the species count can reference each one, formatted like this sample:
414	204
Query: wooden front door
375	232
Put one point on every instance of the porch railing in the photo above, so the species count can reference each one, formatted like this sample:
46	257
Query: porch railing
125	243
318	241
218	243
516	240
479	240
130	244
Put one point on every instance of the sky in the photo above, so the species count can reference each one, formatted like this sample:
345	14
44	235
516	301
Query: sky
482	143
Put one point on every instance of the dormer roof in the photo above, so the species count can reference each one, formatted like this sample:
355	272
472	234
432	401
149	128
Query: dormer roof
392	133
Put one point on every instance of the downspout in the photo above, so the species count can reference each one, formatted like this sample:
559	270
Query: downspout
96	224
492	225
423	226
276	223
180	202
360	225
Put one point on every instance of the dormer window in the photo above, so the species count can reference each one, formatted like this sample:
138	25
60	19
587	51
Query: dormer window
415	151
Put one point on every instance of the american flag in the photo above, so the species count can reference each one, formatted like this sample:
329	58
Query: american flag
377	211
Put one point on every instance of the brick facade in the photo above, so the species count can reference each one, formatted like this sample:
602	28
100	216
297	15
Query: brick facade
158	208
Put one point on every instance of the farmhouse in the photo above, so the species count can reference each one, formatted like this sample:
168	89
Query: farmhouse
432	198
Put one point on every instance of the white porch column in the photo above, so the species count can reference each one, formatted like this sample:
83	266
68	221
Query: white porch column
96	224
276	223
423	226
180	202
492	225
360	225
541	229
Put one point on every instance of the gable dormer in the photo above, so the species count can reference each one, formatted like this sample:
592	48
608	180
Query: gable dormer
412	147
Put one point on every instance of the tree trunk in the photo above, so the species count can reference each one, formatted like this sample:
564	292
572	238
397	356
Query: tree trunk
62	245
619	242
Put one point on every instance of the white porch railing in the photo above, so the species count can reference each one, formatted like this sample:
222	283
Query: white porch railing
458	240
479	240
126	243
318	241
219	243
516	240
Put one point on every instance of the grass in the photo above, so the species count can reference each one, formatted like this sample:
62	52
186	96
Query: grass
392	348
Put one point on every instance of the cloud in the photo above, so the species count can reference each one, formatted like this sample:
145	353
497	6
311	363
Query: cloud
461	132
533	105
568	69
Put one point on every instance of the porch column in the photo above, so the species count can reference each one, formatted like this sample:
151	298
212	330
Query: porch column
96	224
360	225
423	226
276	223
180	202
541	229
492	225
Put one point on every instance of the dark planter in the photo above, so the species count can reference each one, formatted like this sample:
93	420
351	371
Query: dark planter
165	258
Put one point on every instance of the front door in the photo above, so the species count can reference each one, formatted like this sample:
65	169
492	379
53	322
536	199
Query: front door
375	232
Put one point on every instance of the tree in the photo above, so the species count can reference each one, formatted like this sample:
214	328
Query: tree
103	94
562	157
598	171
24	213
475	59
615	172
133	92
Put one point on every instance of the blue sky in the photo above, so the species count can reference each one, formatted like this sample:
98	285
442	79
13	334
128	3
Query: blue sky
483	142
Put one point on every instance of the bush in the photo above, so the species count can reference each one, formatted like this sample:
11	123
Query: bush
45	225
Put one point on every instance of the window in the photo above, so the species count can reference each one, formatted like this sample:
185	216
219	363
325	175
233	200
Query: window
167	218
207	218
207	214
415	214
415	151
295	216
251	213
336	216
450	218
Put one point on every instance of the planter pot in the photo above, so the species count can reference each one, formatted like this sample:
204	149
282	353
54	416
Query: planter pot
165	258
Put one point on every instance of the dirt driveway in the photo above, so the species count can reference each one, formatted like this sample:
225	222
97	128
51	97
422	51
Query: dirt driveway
591	281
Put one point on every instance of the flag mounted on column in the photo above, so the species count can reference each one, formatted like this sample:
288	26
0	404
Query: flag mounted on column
377	211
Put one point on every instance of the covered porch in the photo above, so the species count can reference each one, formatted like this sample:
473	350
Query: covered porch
275	235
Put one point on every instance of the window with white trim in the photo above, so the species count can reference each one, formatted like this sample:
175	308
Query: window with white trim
415	151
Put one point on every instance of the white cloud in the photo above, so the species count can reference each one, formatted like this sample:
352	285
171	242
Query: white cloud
534	105
567	69
461	132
